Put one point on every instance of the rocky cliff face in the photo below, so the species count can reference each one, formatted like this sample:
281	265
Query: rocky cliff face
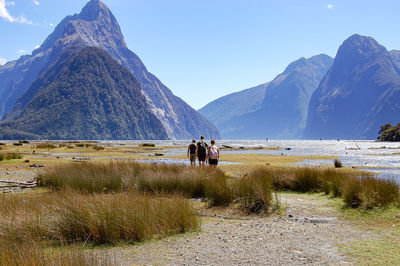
359	93
96	26
85	95
281	113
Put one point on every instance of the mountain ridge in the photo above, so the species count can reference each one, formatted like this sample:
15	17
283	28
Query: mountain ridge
87	95
281	112
358	94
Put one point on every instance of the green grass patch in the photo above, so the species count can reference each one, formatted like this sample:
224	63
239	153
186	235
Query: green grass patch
373	252
10	156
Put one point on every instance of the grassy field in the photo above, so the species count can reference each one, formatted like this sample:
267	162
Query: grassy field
93	194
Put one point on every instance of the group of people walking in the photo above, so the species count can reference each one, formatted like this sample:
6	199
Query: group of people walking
203	152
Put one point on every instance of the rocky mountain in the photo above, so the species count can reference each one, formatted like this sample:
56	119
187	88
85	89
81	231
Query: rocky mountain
85	95
281	113
96	26
359	93
233	105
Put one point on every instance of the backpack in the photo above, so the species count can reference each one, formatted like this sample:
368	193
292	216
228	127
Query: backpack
213	152
202	147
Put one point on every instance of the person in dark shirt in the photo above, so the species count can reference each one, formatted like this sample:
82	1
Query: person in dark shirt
191	152
202	151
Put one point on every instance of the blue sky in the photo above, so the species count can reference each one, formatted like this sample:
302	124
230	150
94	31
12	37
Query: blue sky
205	49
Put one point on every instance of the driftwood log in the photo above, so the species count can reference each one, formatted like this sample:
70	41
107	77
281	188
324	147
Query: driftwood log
10	183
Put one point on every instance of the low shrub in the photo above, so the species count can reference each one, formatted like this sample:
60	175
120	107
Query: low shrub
147	145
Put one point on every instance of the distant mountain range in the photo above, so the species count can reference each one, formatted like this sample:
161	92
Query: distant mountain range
66	90
348	98
276	110
96	26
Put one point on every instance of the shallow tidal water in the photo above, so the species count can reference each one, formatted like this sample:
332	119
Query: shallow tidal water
377	157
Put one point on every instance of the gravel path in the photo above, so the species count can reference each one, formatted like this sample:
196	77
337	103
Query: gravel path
14	174
307	234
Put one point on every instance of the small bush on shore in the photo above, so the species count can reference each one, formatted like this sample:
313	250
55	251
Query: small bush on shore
337	163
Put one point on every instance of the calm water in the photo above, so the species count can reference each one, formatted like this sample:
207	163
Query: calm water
361	153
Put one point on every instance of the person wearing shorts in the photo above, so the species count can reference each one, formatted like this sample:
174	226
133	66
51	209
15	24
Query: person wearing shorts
213	154
202	151
191	152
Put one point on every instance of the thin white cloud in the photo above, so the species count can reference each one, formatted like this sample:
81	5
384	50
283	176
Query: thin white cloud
10	3
23	20
21	51
2	61
7	16
330	6
36	2
4	12
51	25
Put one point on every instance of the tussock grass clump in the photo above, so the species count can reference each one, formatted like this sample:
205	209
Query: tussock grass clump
98	148
129	217
85	144
122	176
70	217
306	179
86	177
171	179
10	156
187	181
19	249
254	191
370	192
45	146
219	189
357	190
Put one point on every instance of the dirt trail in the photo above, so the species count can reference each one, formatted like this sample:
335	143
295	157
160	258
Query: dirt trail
307	234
